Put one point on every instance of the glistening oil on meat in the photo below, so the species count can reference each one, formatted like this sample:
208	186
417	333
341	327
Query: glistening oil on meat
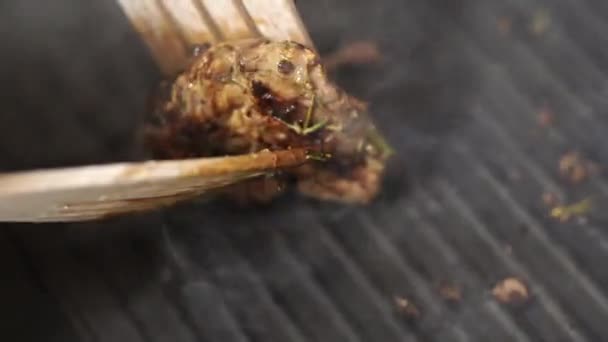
246	96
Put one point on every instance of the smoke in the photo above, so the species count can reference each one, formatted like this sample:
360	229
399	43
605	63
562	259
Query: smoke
75	77
422	90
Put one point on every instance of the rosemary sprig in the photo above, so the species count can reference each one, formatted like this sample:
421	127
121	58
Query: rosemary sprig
307	128
379	142
318	156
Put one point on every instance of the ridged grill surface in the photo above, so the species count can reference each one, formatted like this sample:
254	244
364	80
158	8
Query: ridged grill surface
459	95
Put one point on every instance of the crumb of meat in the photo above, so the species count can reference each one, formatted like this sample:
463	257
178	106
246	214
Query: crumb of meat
242	97
359	52
574	168
550	199
504	25
511	290
406	308
450	292
545	116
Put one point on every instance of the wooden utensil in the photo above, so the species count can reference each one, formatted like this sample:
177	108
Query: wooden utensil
93	192
169	28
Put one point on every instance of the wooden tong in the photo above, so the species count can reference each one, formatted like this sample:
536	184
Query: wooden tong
170	28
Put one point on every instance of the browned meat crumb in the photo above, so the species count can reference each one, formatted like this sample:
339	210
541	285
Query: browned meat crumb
511	290
450	292
359	52
245	96
550	199
406	307
575	168
545	116
504	25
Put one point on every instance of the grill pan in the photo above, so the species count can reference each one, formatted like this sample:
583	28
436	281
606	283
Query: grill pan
460	95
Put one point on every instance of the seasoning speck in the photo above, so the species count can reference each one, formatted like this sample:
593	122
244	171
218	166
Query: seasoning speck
574	168
450	292
285	67
511	290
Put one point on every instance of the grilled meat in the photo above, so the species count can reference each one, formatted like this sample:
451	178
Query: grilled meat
242	97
